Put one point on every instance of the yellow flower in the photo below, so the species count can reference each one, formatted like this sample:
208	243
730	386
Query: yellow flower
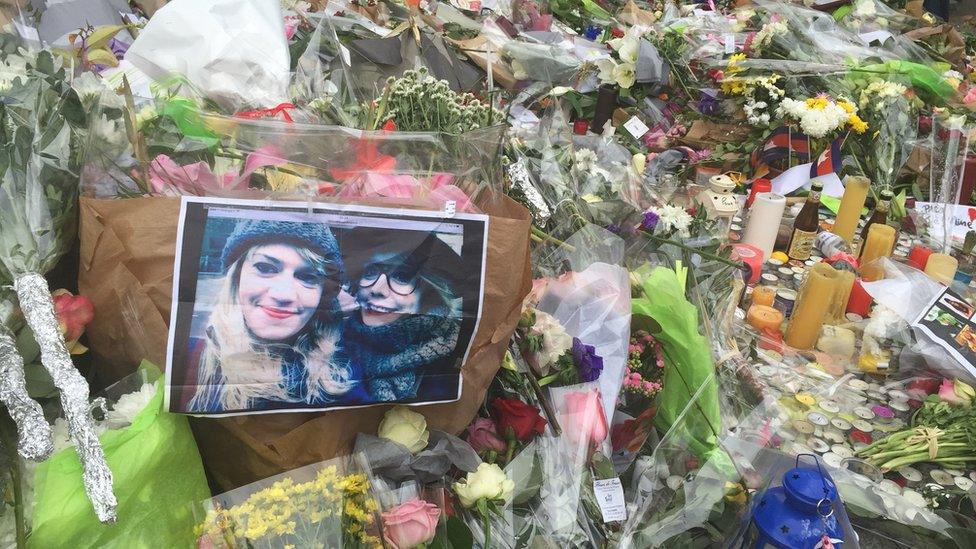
733	64
733	87
817	103
857	124
847	106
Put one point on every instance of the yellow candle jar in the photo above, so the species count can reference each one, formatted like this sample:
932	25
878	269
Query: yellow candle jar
811	306
855	193
941	268
880	243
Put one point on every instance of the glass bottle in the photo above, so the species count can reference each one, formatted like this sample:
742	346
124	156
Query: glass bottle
805	225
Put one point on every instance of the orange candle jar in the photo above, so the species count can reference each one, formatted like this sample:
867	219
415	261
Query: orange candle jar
764	295
763	317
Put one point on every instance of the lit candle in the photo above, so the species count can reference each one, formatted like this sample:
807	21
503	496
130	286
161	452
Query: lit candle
941	268
763	317
841	294
764	295
855	192
811	306
880	242
764	218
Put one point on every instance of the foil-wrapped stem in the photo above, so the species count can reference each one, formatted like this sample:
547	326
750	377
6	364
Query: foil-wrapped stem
38	308
33	431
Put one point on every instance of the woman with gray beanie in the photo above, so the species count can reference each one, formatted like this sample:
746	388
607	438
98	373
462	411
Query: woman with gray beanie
272	335
401	341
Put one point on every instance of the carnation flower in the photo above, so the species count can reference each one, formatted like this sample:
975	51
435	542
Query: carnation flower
555	340
128	407
674	218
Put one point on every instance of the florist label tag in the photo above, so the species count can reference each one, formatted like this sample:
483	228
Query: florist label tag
636	127
610	495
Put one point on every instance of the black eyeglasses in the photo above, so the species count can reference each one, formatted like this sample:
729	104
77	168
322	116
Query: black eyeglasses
401	279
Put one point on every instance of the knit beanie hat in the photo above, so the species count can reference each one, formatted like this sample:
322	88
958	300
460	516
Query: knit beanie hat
314	236
422	250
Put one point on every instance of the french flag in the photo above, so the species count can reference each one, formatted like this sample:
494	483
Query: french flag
829	161
780	144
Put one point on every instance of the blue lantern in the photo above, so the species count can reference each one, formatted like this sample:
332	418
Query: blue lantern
804	513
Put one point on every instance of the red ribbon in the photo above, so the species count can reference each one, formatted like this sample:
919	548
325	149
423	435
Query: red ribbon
281	109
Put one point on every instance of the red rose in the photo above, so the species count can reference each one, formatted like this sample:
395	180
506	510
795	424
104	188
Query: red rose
622	434
522	418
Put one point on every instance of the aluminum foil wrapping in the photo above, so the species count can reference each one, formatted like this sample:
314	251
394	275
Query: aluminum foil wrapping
35	301
33	431
522	180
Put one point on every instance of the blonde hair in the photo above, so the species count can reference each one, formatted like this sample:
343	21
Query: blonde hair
236	370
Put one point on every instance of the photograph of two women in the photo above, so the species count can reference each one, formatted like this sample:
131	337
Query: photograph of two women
281	308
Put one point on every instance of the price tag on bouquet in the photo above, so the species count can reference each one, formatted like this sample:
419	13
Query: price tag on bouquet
610	496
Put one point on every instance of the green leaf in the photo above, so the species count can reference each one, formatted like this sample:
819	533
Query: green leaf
39	382
458	533
100	37
102	56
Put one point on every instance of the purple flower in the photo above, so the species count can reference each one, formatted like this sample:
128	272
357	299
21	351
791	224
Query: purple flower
118	48
588	363
650	220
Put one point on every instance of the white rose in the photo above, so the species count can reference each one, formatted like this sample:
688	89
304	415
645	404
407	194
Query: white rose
406	427
488	482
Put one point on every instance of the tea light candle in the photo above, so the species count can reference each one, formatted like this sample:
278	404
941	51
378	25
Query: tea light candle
764	218
811	306
751	256
941	268
764	295
763	317
855	193
880	243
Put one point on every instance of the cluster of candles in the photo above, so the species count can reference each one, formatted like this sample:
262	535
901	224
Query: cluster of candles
827	294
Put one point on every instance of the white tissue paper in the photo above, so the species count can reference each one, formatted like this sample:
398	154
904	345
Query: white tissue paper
233	51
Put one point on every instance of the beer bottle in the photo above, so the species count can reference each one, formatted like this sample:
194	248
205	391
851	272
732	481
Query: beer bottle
879	215
805	225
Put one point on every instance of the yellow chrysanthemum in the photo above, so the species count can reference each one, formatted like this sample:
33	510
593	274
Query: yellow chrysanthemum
858	125
733	87
817	103
847	106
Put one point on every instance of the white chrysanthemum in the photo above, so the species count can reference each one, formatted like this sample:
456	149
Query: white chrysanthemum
864	8
111	132
673	218
91	89
128	407
555	340
584	159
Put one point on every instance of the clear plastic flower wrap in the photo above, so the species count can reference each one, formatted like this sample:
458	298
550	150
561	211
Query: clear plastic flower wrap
182	150
331	503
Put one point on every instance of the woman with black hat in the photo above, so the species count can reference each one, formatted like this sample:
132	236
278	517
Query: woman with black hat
272	335
401	341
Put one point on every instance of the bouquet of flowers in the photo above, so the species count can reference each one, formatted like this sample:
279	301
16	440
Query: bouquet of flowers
328	504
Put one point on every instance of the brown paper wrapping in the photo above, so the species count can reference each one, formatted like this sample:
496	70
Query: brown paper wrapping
955	51
126	269
476	49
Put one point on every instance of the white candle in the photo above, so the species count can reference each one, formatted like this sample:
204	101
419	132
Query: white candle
764	218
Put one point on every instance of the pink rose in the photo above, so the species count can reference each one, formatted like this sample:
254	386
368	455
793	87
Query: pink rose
410	524
482	435
74	312
583	419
